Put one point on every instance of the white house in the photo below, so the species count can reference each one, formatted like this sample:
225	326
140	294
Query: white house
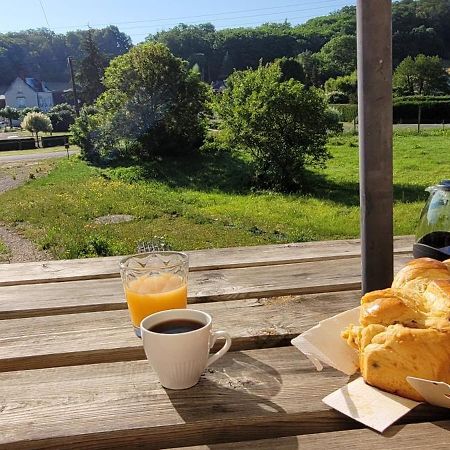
28	92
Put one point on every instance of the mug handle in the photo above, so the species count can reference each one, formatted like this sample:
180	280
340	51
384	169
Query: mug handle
216	335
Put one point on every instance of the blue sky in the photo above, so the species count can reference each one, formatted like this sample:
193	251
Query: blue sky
138	18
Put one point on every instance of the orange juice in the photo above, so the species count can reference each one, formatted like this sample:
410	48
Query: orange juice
149	294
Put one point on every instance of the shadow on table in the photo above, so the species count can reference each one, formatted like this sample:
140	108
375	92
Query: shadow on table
239	389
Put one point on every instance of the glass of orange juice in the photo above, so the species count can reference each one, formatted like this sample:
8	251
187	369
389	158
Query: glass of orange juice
154	282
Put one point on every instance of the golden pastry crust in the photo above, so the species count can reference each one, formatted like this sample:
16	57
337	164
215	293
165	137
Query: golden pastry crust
418	273
405	330
437	297
391	306
389	354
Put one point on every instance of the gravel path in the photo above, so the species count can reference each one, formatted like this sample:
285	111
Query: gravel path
36	156
12	176
20	249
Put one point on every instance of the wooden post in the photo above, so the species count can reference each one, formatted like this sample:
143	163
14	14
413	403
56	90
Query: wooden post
74	87
374	33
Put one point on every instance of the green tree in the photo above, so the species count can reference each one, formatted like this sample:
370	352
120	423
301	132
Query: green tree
153	104
23	112
91	70
422	75
338	56
347	84
282	124
10	114
312	68
62	116
36	122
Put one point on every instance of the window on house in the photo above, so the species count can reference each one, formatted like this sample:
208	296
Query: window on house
20	102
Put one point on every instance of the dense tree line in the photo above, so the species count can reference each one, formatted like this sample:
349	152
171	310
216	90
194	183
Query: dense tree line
43	54
327	43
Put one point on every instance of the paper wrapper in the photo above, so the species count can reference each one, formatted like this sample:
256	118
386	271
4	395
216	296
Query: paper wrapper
366	404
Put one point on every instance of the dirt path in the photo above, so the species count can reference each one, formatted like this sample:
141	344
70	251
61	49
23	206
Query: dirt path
11	176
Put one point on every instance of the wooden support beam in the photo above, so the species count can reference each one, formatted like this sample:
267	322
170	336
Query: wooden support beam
374	31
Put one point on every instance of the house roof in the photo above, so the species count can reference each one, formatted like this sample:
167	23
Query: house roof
36	85
58	85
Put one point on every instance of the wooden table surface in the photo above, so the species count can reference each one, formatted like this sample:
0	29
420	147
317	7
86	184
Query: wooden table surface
73	375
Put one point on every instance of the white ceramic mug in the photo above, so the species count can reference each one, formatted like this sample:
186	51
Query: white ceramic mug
180	359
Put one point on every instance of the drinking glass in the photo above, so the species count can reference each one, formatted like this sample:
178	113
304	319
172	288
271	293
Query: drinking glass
153	282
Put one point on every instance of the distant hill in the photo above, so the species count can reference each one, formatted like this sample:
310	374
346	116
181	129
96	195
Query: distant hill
419	26
42	54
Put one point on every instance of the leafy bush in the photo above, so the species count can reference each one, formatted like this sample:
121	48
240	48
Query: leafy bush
333	120
282	124
153	104
349	112
347	84
337	97
83	133
23	112
62	116
10	114
36	122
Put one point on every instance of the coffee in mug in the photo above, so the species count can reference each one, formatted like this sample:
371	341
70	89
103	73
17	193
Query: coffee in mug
177	344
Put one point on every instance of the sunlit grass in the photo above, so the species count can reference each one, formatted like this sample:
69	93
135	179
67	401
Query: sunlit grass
203	202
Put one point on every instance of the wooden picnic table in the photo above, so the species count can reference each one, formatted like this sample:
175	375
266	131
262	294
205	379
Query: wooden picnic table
74	375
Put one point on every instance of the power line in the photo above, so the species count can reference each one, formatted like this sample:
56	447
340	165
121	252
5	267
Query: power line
237	17
43	10
321	2
239	25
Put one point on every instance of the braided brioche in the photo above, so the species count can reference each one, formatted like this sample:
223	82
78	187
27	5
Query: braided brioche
405	330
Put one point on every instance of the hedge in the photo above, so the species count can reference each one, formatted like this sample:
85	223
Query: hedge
53	141
406	109
17	144
348	111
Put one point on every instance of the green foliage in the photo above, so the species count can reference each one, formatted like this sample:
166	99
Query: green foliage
349	112
23	112
422	75
281	123
36	122
62	116
433	109
337	97
10	114
91	69
45	53
347	84
84	131
405	109
153	104
338	55
292	68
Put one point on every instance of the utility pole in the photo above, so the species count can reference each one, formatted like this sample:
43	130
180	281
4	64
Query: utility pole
74	89
374	31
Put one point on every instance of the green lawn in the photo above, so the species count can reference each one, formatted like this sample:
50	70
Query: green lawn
205	201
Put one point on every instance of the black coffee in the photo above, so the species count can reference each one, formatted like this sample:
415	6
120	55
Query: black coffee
176	326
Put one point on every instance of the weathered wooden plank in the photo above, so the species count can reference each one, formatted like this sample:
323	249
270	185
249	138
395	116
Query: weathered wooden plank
82	269
435	435
204	286
247	395
107	336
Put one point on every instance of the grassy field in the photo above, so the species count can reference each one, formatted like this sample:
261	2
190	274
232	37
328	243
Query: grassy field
205	201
